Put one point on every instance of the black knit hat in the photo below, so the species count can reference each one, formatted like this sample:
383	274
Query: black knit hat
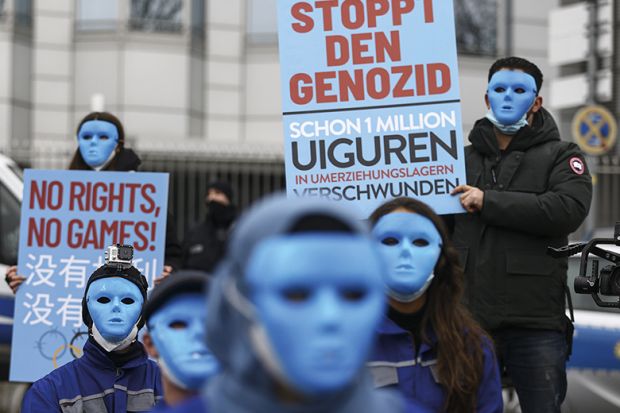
180	282
107	271
223	187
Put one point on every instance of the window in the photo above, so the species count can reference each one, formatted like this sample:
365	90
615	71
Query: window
476	26
23	12
156	15
198	18
97	15
262	22
9	226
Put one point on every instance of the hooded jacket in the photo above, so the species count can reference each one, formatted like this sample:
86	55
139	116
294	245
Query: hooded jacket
205	243
536	192
244	385
94	383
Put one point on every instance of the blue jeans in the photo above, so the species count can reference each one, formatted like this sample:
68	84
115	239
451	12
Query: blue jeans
535	362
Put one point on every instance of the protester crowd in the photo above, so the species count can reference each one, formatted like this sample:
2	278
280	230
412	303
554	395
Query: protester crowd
297	306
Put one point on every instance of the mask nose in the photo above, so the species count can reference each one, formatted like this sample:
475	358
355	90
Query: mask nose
406	249
329	313
196	330
116	305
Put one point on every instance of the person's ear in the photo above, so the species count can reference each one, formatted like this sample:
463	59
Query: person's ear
486	100
149	345
538	102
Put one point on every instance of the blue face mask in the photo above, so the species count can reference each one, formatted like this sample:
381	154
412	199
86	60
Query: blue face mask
410	245
97	140
318	298
511	94
178	331
115	305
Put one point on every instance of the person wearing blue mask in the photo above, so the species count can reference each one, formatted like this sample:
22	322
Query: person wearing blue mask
176	319
526	190
101	145
428	346
292	311
114	373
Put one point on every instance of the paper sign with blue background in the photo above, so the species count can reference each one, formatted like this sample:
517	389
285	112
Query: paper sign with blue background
371	103
68	218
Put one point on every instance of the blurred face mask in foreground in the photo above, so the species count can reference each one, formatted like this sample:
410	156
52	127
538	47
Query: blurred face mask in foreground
178	331
97	140
319	298
411	246
115	305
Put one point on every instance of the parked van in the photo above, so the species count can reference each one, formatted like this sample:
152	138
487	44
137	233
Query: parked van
11	185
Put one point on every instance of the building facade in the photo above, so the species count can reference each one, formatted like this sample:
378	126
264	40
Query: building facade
194	80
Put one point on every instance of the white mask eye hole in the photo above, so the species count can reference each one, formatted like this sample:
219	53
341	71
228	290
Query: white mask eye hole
296	295
420	242
390	241
103	300
87	136
499	89
128	300
178	325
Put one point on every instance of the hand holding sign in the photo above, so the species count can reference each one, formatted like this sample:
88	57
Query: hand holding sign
371	106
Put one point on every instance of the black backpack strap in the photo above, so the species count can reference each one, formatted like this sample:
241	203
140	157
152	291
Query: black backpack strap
570	328
569	299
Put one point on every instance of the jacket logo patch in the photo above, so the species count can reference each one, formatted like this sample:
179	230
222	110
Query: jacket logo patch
577	165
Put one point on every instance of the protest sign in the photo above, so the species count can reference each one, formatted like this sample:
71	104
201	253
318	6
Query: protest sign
371	101
68	218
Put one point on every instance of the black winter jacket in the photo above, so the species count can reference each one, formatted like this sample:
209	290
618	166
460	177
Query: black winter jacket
205	243
535	193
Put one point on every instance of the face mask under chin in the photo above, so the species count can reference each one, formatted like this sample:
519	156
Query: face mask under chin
507	129
410	297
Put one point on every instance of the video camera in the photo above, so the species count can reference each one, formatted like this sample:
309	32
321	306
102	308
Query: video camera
119	255
607	281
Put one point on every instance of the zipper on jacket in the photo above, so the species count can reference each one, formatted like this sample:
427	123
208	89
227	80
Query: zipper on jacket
119	371
493	176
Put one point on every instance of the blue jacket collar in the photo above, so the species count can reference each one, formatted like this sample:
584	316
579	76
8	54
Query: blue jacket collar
389	327
98	357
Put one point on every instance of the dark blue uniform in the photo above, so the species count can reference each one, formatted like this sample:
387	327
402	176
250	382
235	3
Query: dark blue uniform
93	383
394	363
